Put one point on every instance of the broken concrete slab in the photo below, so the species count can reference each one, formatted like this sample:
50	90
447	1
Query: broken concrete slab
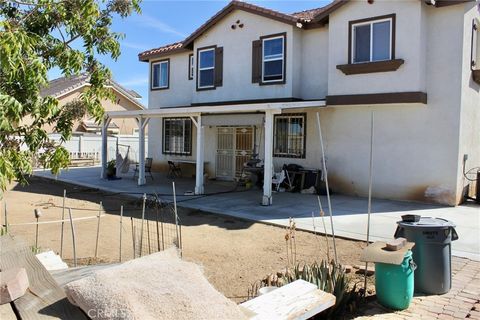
13	284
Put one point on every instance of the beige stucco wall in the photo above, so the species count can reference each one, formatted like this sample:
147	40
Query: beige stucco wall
180	89
121	104
306	64
313	81
469	142
409	33
155	147
418	149
237	58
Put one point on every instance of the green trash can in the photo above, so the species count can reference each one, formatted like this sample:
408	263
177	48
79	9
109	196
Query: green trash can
394	283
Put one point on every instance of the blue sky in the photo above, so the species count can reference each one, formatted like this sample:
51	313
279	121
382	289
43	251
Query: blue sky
164	22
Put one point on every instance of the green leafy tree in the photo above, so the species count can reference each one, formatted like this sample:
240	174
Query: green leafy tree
36	36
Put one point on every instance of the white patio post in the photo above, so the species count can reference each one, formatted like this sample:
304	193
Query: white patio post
142	123
80	145
268	162
105	124
199	187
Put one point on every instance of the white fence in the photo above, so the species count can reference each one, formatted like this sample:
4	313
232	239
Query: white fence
91	146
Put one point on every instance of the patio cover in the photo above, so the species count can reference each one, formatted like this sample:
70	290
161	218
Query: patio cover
196	113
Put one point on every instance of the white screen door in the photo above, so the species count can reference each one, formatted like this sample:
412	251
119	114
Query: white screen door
234	148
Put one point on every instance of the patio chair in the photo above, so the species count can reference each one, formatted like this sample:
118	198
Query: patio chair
278	178
173	170
148	168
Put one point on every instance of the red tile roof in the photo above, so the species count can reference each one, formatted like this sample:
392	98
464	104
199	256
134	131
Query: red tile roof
322	12
177	46
307	15
311	17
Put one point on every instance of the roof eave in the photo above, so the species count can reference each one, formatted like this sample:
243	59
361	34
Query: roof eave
323	16
148	57
235	5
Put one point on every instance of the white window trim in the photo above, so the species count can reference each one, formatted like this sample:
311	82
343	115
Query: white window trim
371	23
274	59
192	66
173	152
289	146
160	74
208	68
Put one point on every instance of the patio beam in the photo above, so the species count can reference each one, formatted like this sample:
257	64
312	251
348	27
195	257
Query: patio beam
165	111
105	124
142	123
199	186
268	162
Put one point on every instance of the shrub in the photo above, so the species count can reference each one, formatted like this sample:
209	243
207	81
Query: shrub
327	277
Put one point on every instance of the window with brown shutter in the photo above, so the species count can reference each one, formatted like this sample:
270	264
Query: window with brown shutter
190	66
218	66
206	68
475	51
209	68
256	61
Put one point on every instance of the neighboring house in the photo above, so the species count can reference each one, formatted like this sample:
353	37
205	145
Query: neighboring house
254	79
67	89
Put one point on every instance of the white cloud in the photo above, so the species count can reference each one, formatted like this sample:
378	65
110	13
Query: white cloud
151	22
135	46
135	82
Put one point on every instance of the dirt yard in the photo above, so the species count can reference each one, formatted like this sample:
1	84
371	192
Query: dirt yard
234	253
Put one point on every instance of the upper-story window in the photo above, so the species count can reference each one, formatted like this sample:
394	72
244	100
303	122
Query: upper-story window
273	59
160	74
191	66
372	39
206	68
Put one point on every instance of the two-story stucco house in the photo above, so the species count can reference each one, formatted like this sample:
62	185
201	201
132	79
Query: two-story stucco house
252	81
68	89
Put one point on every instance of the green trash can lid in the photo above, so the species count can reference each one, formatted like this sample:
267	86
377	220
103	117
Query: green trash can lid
428	222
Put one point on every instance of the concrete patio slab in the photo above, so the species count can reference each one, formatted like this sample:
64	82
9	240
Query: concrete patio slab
349	213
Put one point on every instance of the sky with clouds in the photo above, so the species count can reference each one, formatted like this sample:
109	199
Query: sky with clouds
162	22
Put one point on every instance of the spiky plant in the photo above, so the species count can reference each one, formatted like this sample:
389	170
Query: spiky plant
327	277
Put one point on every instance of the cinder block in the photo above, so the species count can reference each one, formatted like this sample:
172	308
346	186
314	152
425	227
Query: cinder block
13	284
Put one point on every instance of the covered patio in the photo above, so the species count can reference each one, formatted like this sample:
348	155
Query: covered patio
269	110
349	213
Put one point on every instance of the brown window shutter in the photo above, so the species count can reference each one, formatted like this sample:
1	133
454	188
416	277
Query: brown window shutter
256	61
218	66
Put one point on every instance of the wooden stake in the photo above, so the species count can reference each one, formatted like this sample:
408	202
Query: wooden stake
63	223
133	237
322	214
143	218
148	236
121	226
176	217
369	211
324	168
73	238
5	220
98	230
